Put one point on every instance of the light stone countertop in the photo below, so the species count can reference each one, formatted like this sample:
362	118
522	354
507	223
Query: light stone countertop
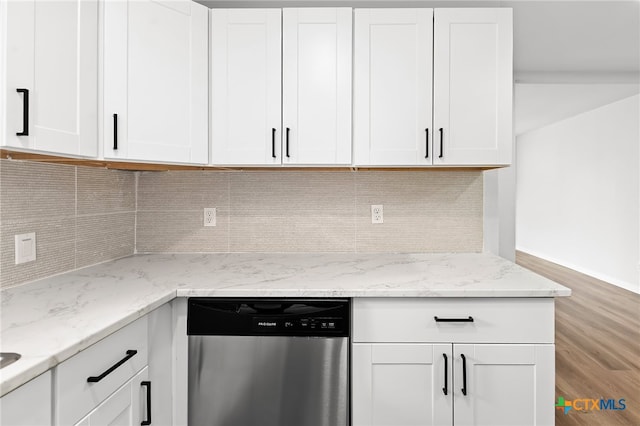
50	320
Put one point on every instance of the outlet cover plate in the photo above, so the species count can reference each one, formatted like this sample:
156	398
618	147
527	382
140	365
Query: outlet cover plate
209	216
377	213
25	248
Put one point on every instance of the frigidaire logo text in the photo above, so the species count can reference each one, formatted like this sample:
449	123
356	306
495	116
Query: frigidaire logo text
267	324
589	404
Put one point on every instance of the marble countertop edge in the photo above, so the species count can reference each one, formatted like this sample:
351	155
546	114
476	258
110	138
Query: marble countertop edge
50	320
29	367
320	292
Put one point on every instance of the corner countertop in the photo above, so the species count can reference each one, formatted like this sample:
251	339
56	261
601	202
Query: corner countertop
50	320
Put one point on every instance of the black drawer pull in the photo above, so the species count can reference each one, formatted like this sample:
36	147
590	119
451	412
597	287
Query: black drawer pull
115	131
25	112
470	319
273	142
287	143
96	379
441	147
427	143
464	375
148	385
445	389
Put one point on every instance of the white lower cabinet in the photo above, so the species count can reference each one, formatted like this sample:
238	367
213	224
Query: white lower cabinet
28	405
446	372
506	385
94	384
161	364
124	407
398	384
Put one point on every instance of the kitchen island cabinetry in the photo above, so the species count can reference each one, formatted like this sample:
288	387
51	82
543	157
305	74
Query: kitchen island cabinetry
453	362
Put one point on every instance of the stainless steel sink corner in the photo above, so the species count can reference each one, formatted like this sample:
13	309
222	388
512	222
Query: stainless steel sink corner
8	358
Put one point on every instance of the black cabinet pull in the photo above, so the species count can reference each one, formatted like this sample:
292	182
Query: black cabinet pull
464	374
445	389
273	142
469	319
115	131
96	379
287	143
441	137
25	112
148	385
427	146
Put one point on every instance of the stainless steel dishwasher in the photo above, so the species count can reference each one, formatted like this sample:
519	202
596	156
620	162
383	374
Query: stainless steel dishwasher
268	362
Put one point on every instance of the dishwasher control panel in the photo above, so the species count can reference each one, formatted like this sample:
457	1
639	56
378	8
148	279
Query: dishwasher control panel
267	324
268	317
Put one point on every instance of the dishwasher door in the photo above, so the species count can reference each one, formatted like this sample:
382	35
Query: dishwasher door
268	381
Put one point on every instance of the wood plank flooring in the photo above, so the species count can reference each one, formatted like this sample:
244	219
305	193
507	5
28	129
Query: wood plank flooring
597	344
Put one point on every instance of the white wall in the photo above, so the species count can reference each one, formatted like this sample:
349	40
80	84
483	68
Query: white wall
578	190
499	204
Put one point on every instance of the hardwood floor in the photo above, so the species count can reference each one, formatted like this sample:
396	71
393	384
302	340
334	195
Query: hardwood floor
597	344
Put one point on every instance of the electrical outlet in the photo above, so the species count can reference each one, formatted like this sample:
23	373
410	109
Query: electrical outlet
25	248
377	214
209	216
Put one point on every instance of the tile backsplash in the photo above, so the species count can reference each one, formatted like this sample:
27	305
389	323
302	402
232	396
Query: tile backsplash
310	211
83	215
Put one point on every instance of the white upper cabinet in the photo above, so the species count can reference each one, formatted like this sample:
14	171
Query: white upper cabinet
246	86
50	76
392	87
316	88
155	89
470	52
473	84
281	86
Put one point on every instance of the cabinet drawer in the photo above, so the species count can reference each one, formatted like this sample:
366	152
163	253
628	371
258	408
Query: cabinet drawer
503	320
75	396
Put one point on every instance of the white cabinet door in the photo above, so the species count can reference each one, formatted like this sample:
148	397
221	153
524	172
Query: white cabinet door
392	87
50	52
161	364
246	85
155	81
473	86
316	74
127	406
28	405
401	384
506	385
